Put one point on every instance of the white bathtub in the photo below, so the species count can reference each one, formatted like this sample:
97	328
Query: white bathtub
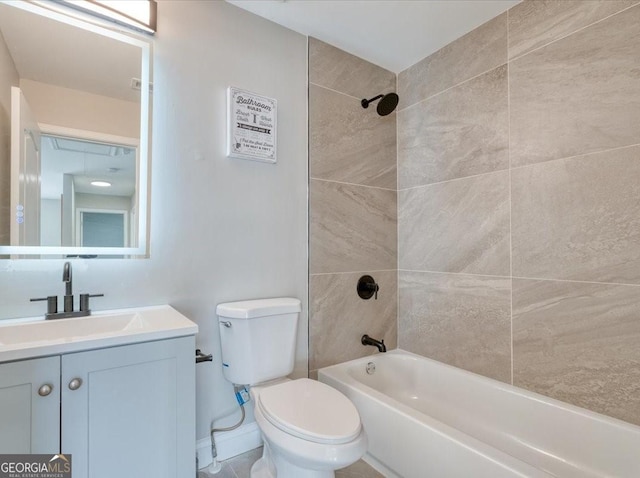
426	419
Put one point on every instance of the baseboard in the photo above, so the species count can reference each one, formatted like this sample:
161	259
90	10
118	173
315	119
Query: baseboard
379	467
229	444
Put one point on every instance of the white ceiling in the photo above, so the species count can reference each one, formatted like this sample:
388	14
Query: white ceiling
52	52
394	34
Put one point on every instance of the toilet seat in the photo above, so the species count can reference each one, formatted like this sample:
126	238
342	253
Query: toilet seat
310	410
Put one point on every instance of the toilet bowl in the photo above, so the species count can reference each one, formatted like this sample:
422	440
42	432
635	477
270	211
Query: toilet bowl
309	430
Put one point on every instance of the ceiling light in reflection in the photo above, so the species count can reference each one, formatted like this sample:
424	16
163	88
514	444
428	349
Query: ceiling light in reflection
101	184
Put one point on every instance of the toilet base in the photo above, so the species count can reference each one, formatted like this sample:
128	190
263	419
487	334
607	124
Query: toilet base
267	465
261	470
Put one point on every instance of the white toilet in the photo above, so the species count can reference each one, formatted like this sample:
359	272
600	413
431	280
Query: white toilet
309	429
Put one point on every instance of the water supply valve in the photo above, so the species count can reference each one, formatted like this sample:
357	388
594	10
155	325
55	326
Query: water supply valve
200	357
367	287
242	394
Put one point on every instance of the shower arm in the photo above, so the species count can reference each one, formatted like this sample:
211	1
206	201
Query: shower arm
365	102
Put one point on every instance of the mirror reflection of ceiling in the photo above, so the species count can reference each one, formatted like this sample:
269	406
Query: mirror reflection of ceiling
48	51
86	162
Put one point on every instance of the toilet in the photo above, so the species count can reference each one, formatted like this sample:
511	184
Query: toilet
309	429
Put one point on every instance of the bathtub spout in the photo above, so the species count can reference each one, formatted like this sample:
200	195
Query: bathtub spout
366	340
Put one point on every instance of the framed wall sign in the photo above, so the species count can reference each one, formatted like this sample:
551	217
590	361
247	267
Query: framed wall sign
251	126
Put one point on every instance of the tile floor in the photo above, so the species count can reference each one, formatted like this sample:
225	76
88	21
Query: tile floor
240	467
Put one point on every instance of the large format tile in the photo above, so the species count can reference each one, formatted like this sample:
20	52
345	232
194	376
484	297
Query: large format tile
578	343
339	317
336	69
359	469
348	143
225	472
533	24
578	95
476	52
456	226
241	464
457	319
462	132
351	228
578	218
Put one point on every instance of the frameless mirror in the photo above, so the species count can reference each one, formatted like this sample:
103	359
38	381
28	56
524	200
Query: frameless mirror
74	136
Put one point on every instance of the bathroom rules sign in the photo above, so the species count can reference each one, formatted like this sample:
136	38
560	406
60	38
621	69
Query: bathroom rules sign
251	126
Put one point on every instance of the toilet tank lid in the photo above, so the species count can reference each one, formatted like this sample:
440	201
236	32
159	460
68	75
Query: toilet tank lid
250	309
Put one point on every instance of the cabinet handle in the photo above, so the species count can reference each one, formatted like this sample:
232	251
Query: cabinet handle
75	384
45	390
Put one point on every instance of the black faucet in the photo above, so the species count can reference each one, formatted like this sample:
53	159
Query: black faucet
68	282
366	340
52	300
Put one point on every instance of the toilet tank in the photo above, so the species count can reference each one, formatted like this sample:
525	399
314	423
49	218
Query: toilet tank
258	339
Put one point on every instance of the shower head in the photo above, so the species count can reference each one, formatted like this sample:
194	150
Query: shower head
386	105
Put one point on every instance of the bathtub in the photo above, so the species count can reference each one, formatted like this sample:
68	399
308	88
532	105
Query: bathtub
427	419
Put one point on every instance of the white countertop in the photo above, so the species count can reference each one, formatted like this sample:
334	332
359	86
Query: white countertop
27	338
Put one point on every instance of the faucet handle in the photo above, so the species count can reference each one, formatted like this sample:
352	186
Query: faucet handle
367	287
84	300
52	303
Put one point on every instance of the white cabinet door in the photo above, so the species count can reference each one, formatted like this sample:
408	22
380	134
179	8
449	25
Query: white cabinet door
29	411
133	413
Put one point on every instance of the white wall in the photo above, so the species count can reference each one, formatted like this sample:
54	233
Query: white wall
103	201
51	222
221	229
77	109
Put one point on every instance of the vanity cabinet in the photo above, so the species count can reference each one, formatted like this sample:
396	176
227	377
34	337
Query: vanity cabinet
126	411
30	406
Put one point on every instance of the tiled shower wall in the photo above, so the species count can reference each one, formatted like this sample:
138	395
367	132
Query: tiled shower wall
352	206
519	203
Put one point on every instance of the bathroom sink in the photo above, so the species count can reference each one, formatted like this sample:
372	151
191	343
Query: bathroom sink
37	337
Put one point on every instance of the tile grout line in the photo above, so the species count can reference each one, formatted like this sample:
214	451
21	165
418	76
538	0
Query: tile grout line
368	271
541	279
309	207
453	86
510	203
565	158
457	273
517	57
512	168
350	184
397	228
572	281
335	91
454	179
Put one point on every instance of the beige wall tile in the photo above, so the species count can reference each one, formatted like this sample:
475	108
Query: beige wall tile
457	226
351	228
348	143
476	52
578	95
339	317
336	69
578	218
462	132
578	343
457	319
534	23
